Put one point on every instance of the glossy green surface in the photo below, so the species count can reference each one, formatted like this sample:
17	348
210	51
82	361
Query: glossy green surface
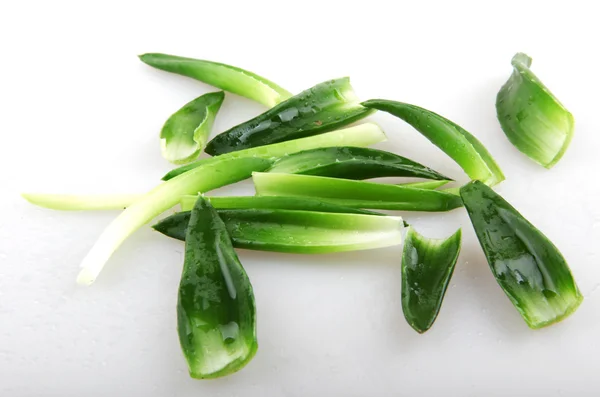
352	163
356	194
531	117
454	140
185	133
324	107
361	135
272	202
427	266
301	232
216	314
220	75
529	268
160	199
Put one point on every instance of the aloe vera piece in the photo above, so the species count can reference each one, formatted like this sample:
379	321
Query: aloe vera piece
361	135
322	108
352	163
272	202
532	118
80	202
160	199
527	266
220	75
427	266
356	194
216	313
454	140
300	232
185	133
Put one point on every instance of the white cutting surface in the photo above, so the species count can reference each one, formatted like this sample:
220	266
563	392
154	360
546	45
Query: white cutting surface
81	114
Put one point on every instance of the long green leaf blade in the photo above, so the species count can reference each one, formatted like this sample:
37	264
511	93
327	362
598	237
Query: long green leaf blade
527	266
220	75
352	163
272	202
216	313
532	118
322	108
454	140
357	194
301	232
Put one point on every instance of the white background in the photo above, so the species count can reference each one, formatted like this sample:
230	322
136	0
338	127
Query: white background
79	113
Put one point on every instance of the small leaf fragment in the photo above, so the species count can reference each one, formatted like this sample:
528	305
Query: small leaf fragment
427	266
185	133
532	118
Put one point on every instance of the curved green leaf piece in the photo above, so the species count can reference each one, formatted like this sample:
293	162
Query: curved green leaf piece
352	163
427	266
425	184
360	135
273	202
454	140
216	313
529	268
356	194
160	199
532	118
322	108
226	77
300	232
186	132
